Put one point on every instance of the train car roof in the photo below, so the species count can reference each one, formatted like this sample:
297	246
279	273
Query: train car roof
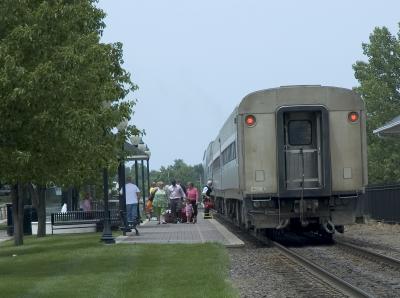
269	100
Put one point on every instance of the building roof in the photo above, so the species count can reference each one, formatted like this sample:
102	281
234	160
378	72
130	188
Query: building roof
391	128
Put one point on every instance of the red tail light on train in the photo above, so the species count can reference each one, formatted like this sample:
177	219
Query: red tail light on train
353	116
250	120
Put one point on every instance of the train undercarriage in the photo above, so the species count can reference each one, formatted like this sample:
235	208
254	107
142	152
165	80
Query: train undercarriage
275	216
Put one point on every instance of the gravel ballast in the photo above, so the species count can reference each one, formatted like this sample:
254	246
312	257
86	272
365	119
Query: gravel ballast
259	271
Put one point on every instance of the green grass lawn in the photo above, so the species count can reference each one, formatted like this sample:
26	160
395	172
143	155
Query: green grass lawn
81	266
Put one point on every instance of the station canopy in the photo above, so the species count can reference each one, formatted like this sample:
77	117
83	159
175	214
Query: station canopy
134	153
392	128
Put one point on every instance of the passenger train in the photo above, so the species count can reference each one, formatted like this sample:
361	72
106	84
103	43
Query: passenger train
291	158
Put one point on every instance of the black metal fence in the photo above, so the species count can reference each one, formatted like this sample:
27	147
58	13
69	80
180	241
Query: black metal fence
382	202
95	216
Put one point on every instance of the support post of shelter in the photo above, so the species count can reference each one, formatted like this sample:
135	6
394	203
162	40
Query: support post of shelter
137	183
136	173
122	197
148	175
143	188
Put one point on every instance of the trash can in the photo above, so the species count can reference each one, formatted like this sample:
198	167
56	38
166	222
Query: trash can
27	220
10	226
27	224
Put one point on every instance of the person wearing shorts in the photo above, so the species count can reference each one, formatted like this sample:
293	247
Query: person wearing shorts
193	195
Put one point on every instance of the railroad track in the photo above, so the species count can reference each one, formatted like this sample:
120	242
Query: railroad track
331	282
332	285
323	274
374	256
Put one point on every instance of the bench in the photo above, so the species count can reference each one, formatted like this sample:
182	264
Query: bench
81	221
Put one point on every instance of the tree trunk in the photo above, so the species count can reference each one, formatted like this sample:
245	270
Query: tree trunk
41	211
18	214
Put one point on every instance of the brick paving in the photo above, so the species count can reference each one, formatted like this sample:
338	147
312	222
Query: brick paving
205	230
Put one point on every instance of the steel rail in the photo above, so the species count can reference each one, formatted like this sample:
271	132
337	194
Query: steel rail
328	277
380	257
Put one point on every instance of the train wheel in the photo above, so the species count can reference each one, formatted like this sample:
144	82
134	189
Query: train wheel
340	229
326	237
274	234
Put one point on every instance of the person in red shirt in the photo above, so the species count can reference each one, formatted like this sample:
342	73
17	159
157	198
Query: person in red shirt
193	195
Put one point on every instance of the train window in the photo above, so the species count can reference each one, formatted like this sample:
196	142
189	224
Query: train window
216	164
229	153
300	132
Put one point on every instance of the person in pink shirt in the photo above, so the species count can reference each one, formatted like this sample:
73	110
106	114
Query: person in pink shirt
87	203
193	196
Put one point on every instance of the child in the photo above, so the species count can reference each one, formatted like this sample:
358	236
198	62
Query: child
149	209
189	211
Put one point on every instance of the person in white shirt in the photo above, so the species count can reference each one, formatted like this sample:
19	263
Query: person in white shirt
132	200
175	196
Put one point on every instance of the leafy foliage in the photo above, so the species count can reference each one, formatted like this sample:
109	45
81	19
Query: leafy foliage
55	78
179	171
379	80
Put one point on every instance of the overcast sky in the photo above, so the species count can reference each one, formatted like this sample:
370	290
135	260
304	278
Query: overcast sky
195	60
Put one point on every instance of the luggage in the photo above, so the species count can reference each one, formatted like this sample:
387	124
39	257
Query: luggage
168	217
183	215
208	204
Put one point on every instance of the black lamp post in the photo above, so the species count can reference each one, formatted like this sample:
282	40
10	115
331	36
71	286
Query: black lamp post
107	236
122	197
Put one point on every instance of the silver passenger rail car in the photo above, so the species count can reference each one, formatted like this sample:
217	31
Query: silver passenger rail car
292	157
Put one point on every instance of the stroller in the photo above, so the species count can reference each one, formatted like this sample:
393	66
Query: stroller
183	217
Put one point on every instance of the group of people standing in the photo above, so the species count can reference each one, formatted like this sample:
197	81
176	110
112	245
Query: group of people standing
177	198
169	203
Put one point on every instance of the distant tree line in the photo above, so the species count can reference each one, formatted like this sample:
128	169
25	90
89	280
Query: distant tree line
179	171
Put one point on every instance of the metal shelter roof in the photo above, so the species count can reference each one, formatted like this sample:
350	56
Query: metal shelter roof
134	153
391	128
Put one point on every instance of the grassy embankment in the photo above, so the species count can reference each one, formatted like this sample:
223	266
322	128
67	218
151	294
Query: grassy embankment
81	266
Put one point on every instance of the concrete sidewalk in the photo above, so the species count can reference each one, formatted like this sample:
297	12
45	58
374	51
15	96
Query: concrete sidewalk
205	230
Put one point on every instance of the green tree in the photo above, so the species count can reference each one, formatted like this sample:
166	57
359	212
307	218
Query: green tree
179	171
379	80
61	94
